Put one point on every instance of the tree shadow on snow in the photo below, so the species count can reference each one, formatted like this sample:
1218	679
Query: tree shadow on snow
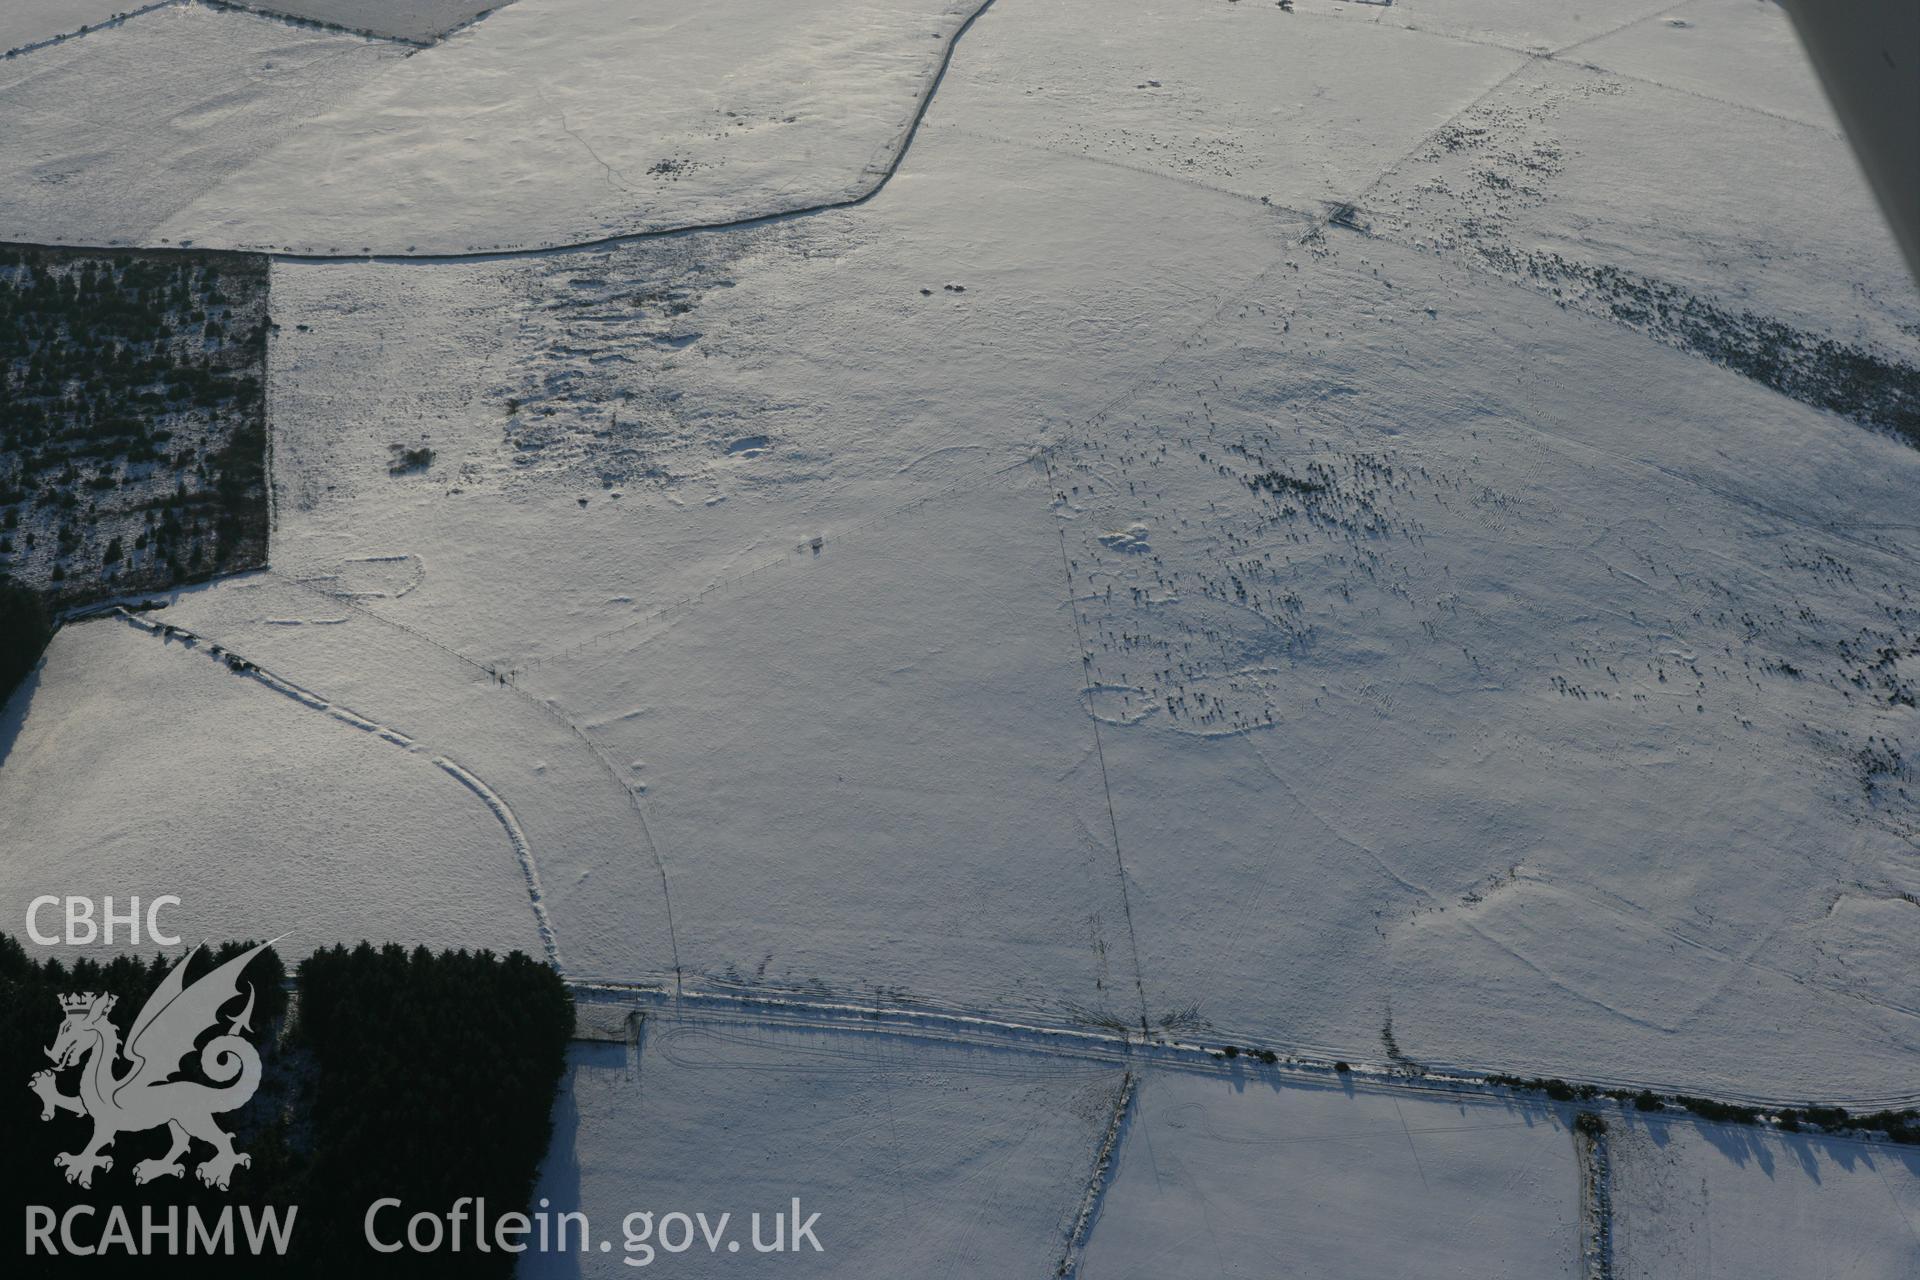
14	717
560	1183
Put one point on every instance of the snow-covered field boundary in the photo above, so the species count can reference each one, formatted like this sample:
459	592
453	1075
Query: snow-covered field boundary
881	174
1596	1202
236	6
114	21
313	24
987	1029
1097	1183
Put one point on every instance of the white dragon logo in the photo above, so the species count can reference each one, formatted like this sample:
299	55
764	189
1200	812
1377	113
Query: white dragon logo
146	1096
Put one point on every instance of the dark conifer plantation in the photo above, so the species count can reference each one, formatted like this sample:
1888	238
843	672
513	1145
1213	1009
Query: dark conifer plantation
393	1073
24	632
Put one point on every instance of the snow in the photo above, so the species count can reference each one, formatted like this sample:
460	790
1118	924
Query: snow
1720	1203
1173	553
558	121
848	797
962	687
921	1158
1722	49
1533	727
28	22
1235	1176
586	841
262	815
1566	160
109	135
416	20
1481	773
1254	101
1517	24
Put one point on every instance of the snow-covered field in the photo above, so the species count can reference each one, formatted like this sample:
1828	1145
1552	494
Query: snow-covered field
111	134
25	23
1257	528
571	819
1448	654
1719	1203
1559	710
140	766
421	21
1226	1176
956	1153
557	121
921	1159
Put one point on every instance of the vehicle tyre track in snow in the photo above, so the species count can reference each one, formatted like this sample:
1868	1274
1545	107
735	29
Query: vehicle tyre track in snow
599	877
646	828
505	682
521	849
243	666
